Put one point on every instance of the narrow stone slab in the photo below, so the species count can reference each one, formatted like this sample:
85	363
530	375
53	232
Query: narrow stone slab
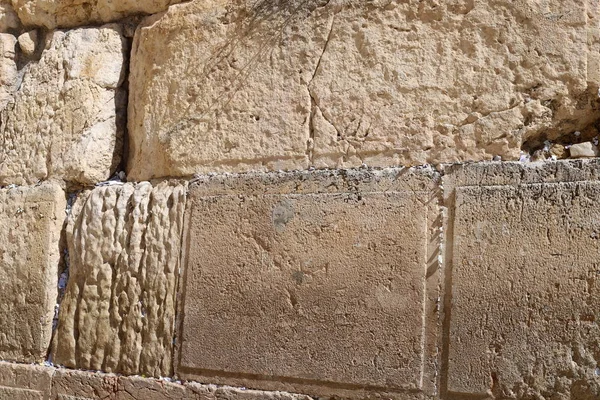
30	224
24	382
524	250
320	286
118	312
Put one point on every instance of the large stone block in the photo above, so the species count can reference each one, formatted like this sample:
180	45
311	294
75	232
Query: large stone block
66	120
118	311
8	17
30	224
522	294
311	282
283	85
24	382
69	13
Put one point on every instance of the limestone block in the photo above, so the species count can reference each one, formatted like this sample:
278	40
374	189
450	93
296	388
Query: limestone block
70	13
24	382
28	42
69	385
118	311
30	224
282	85
66	119
8	17
585	149
523	253
8	68
307	281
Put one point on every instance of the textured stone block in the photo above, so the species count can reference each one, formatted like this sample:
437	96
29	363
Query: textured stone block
286	84
118	311
30	223
66	120
69	13
24	382
307	280
524	279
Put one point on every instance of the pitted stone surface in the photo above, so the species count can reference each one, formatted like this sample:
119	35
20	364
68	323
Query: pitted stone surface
283	85
51	14
66	118
321	284
523	307
119	308
31	220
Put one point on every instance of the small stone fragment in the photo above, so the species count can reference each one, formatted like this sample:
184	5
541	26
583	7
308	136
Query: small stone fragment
558	150
27	42
585	149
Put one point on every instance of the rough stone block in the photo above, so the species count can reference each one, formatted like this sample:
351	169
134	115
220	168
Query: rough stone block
24	382
30	224
66	120
118	311
286	84
308	282
70	13
523	253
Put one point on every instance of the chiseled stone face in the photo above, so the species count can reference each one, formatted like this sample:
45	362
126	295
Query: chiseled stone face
66	119
285	85
524	297
24	382
69	13
118	311
323	283
30	223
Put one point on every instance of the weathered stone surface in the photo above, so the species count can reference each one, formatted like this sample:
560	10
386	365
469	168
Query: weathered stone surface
276	85
523	249
69	13
69	385
316	279
24	382
585	149
30	223
8	68
28	42
8	17
119	307
66	119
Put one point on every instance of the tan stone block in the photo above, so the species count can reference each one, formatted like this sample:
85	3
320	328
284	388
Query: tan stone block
24	382
310	282
70	13
269	85
80	385
8	17
66	120
118	311
30	224
523	252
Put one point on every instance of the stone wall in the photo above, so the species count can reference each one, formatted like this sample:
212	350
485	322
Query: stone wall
301	199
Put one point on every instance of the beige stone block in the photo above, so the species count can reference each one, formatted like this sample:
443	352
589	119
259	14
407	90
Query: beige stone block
282	85
51	14
582	150
66	120
30	224
27	42
24	382
310	282
118	311
523	253
8	17
79	385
